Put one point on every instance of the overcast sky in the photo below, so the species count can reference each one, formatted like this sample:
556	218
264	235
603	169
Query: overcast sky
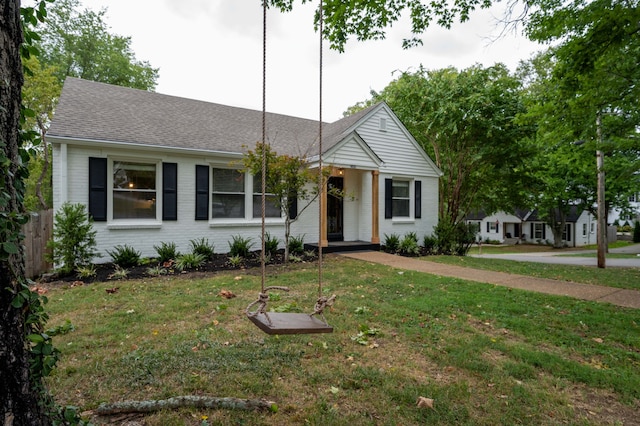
211	50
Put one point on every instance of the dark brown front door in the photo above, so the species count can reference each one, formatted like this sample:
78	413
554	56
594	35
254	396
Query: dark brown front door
335	214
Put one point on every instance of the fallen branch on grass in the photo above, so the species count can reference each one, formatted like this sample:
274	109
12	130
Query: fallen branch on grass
189	401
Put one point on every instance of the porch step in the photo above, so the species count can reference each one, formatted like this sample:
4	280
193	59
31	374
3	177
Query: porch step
511	241
344	246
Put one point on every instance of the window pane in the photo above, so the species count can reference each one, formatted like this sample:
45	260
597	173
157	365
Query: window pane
134	204
400	208
271	206
401	189
134	175
134	194
228	180
227	205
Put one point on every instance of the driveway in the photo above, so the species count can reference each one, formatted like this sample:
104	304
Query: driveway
574	258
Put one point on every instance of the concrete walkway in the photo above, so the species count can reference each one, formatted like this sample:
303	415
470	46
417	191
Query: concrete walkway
616	296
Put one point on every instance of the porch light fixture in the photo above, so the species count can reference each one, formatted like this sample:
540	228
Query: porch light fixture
341	171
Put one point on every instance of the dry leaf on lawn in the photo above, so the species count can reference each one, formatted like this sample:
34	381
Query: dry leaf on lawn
424	402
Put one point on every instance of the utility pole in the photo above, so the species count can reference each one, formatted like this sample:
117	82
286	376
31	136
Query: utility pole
602	214
602	217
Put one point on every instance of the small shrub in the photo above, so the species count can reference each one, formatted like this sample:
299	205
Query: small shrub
455	239
310	254
409	245
391	243
202	247
236	261
296	245
190	261
166	251
412	236
74	239
430	244
156	271
87	271
125	256
240	246
270	244
295	258
119	274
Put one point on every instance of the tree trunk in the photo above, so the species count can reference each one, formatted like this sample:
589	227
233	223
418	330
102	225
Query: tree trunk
19	397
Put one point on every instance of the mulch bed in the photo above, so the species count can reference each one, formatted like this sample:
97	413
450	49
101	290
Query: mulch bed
218	263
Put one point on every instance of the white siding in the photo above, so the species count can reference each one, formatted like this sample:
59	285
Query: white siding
351	155
400	153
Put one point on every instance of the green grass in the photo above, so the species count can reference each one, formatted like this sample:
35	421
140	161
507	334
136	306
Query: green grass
486	354
628	278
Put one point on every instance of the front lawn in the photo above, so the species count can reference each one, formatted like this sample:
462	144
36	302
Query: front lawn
628	278
485	354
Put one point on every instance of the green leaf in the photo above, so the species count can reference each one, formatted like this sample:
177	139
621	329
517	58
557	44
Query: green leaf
35	338
10	247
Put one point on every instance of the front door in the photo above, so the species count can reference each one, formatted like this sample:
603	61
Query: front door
335	210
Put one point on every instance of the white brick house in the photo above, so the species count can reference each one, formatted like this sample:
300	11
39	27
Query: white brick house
154	168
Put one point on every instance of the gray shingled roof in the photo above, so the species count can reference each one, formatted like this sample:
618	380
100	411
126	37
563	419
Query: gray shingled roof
96	111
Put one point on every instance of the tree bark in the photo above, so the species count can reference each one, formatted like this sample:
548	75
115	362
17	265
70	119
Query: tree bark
19	397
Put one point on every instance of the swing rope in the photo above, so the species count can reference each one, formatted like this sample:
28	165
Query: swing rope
263	296
322	302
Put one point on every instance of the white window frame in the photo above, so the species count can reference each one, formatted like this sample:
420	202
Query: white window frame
538	230
409	198
213	192
248	213
137	222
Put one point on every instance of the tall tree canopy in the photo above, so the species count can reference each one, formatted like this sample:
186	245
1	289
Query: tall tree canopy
73	42
78	43
465	121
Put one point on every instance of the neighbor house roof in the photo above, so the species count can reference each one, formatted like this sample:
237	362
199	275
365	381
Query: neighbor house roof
101	112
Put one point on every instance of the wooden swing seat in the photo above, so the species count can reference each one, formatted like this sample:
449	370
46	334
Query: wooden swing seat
290	323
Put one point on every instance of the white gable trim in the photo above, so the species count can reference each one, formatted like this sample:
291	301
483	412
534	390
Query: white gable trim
407	134
361	156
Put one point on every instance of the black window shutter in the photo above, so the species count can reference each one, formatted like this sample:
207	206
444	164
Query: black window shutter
418	199
293	205
568	232
98	188
202	192
388	198
169	191
532	236
488	227
544	231
497	227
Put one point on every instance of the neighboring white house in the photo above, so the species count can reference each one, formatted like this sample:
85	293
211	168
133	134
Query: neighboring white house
629	217
526	226
154	168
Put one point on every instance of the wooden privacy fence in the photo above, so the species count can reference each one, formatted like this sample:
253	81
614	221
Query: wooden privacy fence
37	232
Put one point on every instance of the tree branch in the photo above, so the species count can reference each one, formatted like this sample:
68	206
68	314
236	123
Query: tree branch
188	401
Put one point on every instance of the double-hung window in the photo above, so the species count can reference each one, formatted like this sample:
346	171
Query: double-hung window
272	209
401	198
228	194
134	190
538	231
